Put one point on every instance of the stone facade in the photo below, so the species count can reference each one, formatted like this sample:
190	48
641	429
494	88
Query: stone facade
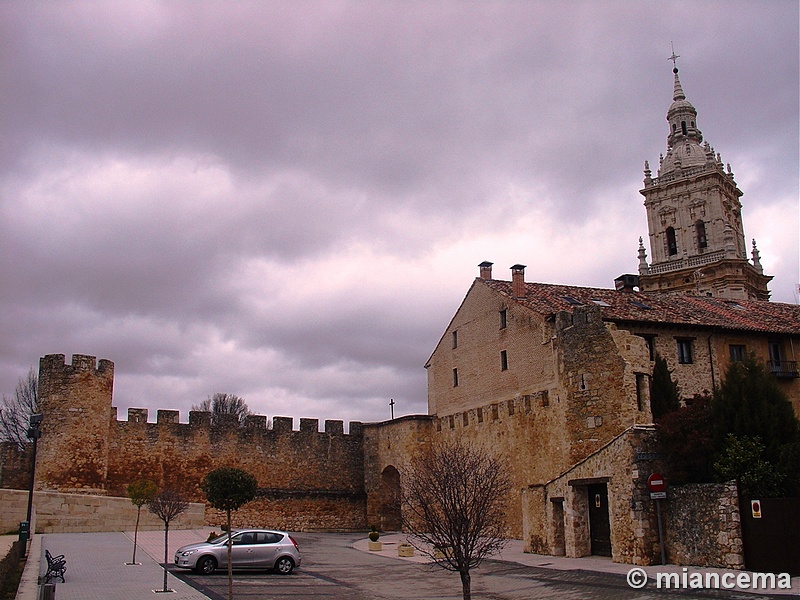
703	526
556	515
58	512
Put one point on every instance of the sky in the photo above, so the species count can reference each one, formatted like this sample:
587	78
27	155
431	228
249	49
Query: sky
288	201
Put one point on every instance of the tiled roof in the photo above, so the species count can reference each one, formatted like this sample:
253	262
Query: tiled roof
660	308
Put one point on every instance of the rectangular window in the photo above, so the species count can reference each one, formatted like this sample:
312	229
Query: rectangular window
455	377
455	339
503	318
685	352
737	352
650	340
479	412
641	387
504	360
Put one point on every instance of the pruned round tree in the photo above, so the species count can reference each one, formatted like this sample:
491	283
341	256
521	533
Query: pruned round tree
140	492
454	506
228	489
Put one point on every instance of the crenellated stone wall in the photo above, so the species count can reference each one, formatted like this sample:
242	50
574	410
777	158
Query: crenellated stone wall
308	479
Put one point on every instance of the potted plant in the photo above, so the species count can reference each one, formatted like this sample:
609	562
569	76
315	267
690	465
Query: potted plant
374	544
405	549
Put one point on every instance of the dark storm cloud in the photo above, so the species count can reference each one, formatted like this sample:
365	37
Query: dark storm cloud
286	200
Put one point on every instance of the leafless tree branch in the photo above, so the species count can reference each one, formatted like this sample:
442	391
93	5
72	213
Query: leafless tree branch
454	506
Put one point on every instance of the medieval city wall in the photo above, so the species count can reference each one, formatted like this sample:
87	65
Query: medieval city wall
15	466
389	448
308	479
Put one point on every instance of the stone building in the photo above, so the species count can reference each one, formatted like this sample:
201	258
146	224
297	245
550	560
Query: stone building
558	376
554	377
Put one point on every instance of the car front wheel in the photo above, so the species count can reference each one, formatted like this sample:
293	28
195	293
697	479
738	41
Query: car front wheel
284	566
206	565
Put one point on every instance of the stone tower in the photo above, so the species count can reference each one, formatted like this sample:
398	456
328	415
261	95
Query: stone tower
694	218
75	401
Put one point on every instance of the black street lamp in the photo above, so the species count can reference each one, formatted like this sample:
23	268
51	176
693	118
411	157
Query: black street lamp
34	433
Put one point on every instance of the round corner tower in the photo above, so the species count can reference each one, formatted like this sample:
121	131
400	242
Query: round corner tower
75	401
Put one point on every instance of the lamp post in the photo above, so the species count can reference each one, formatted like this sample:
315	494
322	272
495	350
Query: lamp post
34	433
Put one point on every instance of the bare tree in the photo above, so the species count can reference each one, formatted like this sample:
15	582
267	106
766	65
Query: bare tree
225	408
167	505
14	411
454	506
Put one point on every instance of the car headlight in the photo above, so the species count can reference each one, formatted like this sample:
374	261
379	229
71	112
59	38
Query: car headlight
188	552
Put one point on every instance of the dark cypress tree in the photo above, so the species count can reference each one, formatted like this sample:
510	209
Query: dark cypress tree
664	392
749	410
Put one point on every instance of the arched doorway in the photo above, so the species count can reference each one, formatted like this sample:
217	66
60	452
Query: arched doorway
390	511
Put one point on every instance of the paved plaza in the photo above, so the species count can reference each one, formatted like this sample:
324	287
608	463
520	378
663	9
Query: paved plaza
340	566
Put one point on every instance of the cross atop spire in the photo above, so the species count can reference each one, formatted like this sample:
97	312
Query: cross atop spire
674	58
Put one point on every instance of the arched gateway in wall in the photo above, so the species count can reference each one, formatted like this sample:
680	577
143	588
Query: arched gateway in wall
390	504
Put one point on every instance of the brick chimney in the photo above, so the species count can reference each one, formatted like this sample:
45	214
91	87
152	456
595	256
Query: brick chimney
486	269
518	281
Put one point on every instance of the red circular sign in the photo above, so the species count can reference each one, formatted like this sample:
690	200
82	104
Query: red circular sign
656	482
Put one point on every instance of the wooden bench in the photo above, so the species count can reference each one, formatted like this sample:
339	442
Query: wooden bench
56	565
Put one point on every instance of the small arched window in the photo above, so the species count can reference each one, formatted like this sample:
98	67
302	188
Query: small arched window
672	244
683	127
674	128
702	241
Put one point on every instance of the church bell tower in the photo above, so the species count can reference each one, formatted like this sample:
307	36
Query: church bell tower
694	218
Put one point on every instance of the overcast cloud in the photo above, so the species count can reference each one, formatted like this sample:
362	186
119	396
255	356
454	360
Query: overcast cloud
288	201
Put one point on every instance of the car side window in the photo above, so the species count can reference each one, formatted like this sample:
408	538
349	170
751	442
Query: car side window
244	538
264	537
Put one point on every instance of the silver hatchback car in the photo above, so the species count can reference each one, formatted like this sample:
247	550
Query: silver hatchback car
250	548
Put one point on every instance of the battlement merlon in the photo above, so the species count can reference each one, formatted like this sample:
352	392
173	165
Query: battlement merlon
80	362
199	418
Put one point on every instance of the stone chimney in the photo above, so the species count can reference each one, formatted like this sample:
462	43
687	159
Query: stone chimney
518	281
626	283
486	269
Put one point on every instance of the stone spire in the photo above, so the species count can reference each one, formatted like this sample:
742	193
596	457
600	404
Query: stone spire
643	267
757	259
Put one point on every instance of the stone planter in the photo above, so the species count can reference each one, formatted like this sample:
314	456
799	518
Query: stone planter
405	550
375	546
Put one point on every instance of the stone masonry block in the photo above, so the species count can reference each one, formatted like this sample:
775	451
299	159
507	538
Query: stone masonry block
334	426
309	425
282	423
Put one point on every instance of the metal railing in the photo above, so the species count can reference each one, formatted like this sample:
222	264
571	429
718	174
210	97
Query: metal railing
783	368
